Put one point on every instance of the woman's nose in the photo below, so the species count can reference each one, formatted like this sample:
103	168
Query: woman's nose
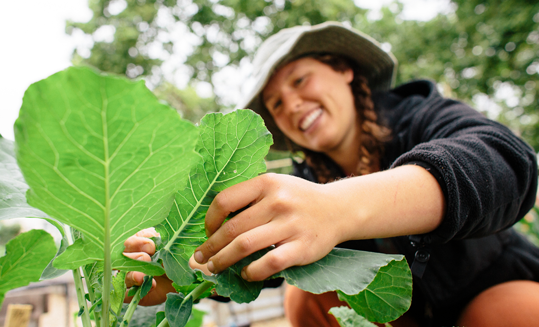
292	102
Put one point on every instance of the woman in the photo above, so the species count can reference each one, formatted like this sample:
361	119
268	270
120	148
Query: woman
427	177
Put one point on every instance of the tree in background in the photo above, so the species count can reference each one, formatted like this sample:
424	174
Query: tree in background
485	52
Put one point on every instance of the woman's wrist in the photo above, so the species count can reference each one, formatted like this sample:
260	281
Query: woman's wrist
401	201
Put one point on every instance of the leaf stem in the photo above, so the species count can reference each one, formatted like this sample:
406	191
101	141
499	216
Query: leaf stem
131	308
107	269
164	323
199	290
86	322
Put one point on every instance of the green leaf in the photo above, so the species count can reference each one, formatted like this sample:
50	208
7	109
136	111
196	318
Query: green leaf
232	149
387	297
176	310
349	318
229	282
50	271
197	318
13	186
118	292
349	271
146	286
102	155
26	257
144	316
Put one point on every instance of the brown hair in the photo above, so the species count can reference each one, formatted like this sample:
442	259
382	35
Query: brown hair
372	136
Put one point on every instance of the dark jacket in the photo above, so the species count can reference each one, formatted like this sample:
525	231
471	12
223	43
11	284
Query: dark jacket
489	179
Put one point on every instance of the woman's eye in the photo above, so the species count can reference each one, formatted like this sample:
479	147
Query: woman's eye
276	105
298	81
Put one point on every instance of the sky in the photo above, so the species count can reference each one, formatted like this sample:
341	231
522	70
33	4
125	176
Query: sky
34	44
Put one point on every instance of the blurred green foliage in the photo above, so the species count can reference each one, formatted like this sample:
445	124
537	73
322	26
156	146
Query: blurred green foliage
486	52
529	225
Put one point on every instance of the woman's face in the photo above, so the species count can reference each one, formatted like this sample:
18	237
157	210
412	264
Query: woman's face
313	105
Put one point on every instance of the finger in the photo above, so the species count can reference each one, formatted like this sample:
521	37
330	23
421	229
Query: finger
134	278
195	265
144	301
140	256
249	219
274	261
233	199
148	232
247	243
139	244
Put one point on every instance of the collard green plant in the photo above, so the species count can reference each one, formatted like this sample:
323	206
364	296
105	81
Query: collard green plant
103	156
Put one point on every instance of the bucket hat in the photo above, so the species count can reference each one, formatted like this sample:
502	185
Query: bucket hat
377	65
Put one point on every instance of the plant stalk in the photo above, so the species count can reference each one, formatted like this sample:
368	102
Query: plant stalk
131	308
86	322
107	282
91	295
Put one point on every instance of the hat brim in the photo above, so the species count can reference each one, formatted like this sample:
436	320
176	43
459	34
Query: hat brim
377	66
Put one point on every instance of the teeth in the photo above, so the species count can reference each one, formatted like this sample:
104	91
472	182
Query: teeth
309	120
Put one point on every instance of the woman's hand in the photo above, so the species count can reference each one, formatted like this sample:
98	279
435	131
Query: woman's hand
305	220
141	247
295	215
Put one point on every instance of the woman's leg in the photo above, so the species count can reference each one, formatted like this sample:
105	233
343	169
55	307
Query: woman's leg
514	303
304	309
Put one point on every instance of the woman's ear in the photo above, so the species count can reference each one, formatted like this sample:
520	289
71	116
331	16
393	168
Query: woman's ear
349	75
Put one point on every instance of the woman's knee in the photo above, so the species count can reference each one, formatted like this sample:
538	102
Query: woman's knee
514	303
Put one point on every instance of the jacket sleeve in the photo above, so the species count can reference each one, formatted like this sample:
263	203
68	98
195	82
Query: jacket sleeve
488	174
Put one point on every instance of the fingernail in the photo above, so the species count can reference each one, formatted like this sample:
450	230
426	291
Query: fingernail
147	248
210	266
199	257
140	257
244	275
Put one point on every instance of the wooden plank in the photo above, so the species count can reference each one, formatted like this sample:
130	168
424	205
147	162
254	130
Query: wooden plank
18	315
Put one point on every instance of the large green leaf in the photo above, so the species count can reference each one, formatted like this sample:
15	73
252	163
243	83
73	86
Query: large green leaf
12	186
103	155
26	257
384	280
232	149
347	317
387	297
349	271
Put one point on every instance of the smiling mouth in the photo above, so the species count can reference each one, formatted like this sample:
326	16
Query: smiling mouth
309	119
